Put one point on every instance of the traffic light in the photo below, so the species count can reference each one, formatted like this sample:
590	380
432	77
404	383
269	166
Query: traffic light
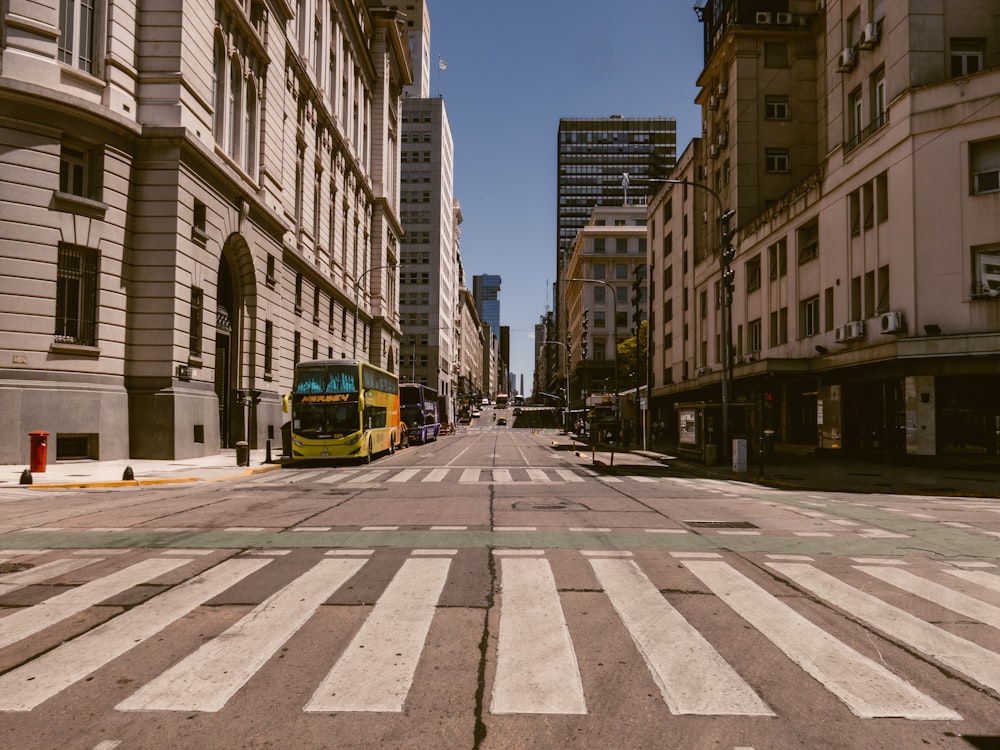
586	331
726	246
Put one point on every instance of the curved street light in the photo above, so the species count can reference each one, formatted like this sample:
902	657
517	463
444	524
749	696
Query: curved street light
357	300
724	217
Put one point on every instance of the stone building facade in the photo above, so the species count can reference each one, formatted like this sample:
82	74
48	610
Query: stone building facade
197	195
859	146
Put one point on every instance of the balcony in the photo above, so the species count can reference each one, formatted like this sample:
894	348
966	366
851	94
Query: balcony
867	132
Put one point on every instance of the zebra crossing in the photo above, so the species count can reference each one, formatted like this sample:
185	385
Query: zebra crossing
445	474
537	655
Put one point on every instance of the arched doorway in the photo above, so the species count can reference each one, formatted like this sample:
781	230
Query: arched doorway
224	354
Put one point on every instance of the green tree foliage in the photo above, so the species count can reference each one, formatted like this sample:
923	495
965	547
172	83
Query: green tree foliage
627	358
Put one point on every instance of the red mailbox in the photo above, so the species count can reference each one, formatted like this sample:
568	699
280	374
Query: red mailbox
39	450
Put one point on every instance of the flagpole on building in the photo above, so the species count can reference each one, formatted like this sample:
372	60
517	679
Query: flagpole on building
442	65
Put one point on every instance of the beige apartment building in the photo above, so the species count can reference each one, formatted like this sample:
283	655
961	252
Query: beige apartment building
858	142
606	267
196	195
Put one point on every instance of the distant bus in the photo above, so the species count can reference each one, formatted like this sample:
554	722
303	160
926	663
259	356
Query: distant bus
344	408
502	400
418	406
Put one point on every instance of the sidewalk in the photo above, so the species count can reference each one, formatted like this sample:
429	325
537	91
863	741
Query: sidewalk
67	474
815	472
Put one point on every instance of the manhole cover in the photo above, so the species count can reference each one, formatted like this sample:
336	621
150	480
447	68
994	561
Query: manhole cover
564	505
14	567
720	524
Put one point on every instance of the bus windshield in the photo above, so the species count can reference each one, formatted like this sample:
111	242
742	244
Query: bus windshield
326	420
326	379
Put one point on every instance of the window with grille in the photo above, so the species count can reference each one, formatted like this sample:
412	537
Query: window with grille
77	34
76	296
197	316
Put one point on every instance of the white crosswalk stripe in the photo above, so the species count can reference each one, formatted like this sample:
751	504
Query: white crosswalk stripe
535	656
376	670
537	670
691	675
39	680
208	678
482	475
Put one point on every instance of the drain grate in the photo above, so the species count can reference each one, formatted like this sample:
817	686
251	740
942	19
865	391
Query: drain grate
720	524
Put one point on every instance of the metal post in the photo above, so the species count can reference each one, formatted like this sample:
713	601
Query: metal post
725	322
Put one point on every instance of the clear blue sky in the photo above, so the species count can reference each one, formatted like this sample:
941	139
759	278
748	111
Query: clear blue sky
514	69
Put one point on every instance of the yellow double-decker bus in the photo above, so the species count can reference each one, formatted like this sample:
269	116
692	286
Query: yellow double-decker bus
343	408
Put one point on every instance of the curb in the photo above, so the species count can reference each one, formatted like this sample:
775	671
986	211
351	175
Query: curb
151	482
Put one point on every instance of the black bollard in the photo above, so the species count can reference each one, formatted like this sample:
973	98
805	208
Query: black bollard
128	475
26	477
267	458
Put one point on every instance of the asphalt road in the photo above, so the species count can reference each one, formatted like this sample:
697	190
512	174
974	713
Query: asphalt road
491	591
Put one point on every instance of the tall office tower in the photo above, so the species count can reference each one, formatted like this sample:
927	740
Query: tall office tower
418	28
595	156
429	273
486	290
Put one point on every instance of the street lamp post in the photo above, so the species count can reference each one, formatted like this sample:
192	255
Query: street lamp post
357	300
726	254
566	349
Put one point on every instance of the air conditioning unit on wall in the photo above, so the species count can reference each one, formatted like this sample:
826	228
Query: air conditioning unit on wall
763	17
840	334
846	59
890	322
869	36
856	329
783	18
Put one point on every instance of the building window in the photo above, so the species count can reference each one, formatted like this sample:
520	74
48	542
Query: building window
76	296
828	313
854	212
984	166
868	204
882	197
882	303
268	346
77	35
621	271
776	107
269	276
600	319
621	245
78	171
296	345
298	292
809	322
316	304
776	160
753	336
777	259
753	274
599	271
599	294
599	245
966	57
775	55
986	270
808	242
779	327
195	327
855	113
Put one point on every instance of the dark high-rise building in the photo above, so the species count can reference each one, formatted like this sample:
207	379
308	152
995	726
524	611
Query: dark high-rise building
486	291
609	161
594	156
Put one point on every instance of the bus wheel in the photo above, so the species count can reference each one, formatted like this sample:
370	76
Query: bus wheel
368	456
392	445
